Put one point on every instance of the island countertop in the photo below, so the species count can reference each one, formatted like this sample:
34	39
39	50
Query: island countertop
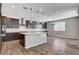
18	30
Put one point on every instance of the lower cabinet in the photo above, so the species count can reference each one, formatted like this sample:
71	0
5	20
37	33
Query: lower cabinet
10	37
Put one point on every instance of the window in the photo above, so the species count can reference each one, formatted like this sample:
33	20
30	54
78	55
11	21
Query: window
59	26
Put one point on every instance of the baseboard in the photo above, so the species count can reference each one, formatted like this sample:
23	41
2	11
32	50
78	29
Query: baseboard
63	37
35	45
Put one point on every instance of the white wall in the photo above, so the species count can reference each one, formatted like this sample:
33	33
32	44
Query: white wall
71	30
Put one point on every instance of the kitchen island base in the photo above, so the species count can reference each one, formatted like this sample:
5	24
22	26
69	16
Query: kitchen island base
34	39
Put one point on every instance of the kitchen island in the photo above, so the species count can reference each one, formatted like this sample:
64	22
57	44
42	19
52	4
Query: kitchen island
32	37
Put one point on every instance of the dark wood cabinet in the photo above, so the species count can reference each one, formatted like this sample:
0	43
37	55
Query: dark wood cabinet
12	23
10	37
30	24
9	22
45	25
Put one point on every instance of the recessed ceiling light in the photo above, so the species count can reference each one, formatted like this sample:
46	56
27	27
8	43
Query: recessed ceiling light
32	13
41	9
57	12
13	6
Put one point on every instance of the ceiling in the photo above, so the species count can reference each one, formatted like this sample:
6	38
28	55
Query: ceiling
49	9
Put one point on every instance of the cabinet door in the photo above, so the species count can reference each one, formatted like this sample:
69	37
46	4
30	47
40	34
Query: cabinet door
10	37
12	23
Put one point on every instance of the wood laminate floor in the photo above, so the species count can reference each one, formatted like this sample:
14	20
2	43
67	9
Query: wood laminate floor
54	46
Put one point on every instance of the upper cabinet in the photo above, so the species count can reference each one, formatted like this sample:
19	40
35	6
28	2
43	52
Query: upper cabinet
12	23
9	22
